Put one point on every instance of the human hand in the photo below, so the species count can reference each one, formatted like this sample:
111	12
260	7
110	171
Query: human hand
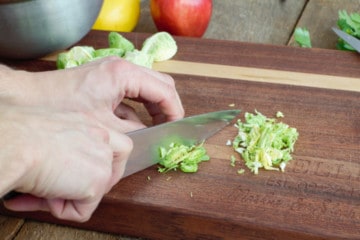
102	85
62	158
94	91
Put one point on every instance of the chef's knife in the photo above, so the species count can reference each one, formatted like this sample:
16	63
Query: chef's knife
188	130
352	41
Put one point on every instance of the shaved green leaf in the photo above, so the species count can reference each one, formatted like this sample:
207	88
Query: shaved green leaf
302	37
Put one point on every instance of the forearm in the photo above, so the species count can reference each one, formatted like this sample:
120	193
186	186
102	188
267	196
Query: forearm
14	84
14	163
15	87
25	88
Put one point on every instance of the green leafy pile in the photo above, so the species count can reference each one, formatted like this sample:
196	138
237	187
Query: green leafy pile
263	142
160	46
183	157
349	23
302	37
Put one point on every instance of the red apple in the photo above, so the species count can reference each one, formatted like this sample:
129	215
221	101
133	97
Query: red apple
181	17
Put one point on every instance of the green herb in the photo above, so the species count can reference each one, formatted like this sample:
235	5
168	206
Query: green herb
302	37
349	23
264	143
183	157
160	46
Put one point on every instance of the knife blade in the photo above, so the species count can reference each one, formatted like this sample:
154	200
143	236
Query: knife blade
352	41
190	130
146	141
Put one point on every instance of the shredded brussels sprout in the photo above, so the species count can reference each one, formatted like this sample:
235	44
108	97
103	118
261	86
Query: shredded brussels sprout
183	157
264	143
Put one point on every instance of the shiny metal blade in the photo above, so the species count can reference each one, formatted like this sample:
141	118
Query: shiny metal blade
190	130
352	41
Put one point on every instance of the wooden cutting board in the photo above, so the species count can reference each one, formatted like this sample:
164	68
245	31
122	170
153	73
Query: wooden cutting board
318	195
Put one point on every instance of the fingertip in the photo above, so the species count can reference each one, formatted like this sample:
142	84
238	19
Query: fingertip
26	202
178	115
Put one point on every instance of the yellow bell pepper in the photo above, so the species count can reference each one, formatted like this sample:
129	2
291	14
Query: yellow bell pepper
118	15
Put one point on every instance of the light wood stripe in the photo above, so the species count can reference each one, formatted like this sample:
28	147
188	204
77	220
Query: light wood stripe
259	75
254	74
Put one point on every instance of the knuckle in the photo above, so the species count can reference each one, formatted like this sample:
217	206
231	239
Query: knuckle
128	145
169	80
171	92
102	176
116	64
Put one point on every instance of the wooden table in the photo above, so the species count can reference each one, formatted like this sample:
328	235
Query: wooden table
265	22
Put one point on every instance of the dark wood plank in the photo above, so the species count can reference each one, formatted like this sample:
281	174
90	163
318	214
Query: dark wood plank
9	226
234	53
318	197
257	21
319	16
35	230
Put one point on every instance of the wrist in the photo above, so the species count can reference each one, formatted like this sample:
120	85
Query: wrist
16	86
15	162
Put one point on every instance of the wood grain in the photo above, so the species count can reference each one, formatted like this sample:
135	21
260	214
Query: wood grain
260	75
33	230
318	197
254	74
10	226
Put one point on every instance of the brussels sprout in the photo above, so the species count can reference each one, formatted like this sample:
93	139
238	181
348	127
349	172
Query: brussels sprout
161	46
139	58
76	56
105	52
116	40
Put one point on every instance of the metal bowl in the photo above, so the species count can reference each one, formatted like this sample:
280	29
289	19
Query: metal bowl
34	28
